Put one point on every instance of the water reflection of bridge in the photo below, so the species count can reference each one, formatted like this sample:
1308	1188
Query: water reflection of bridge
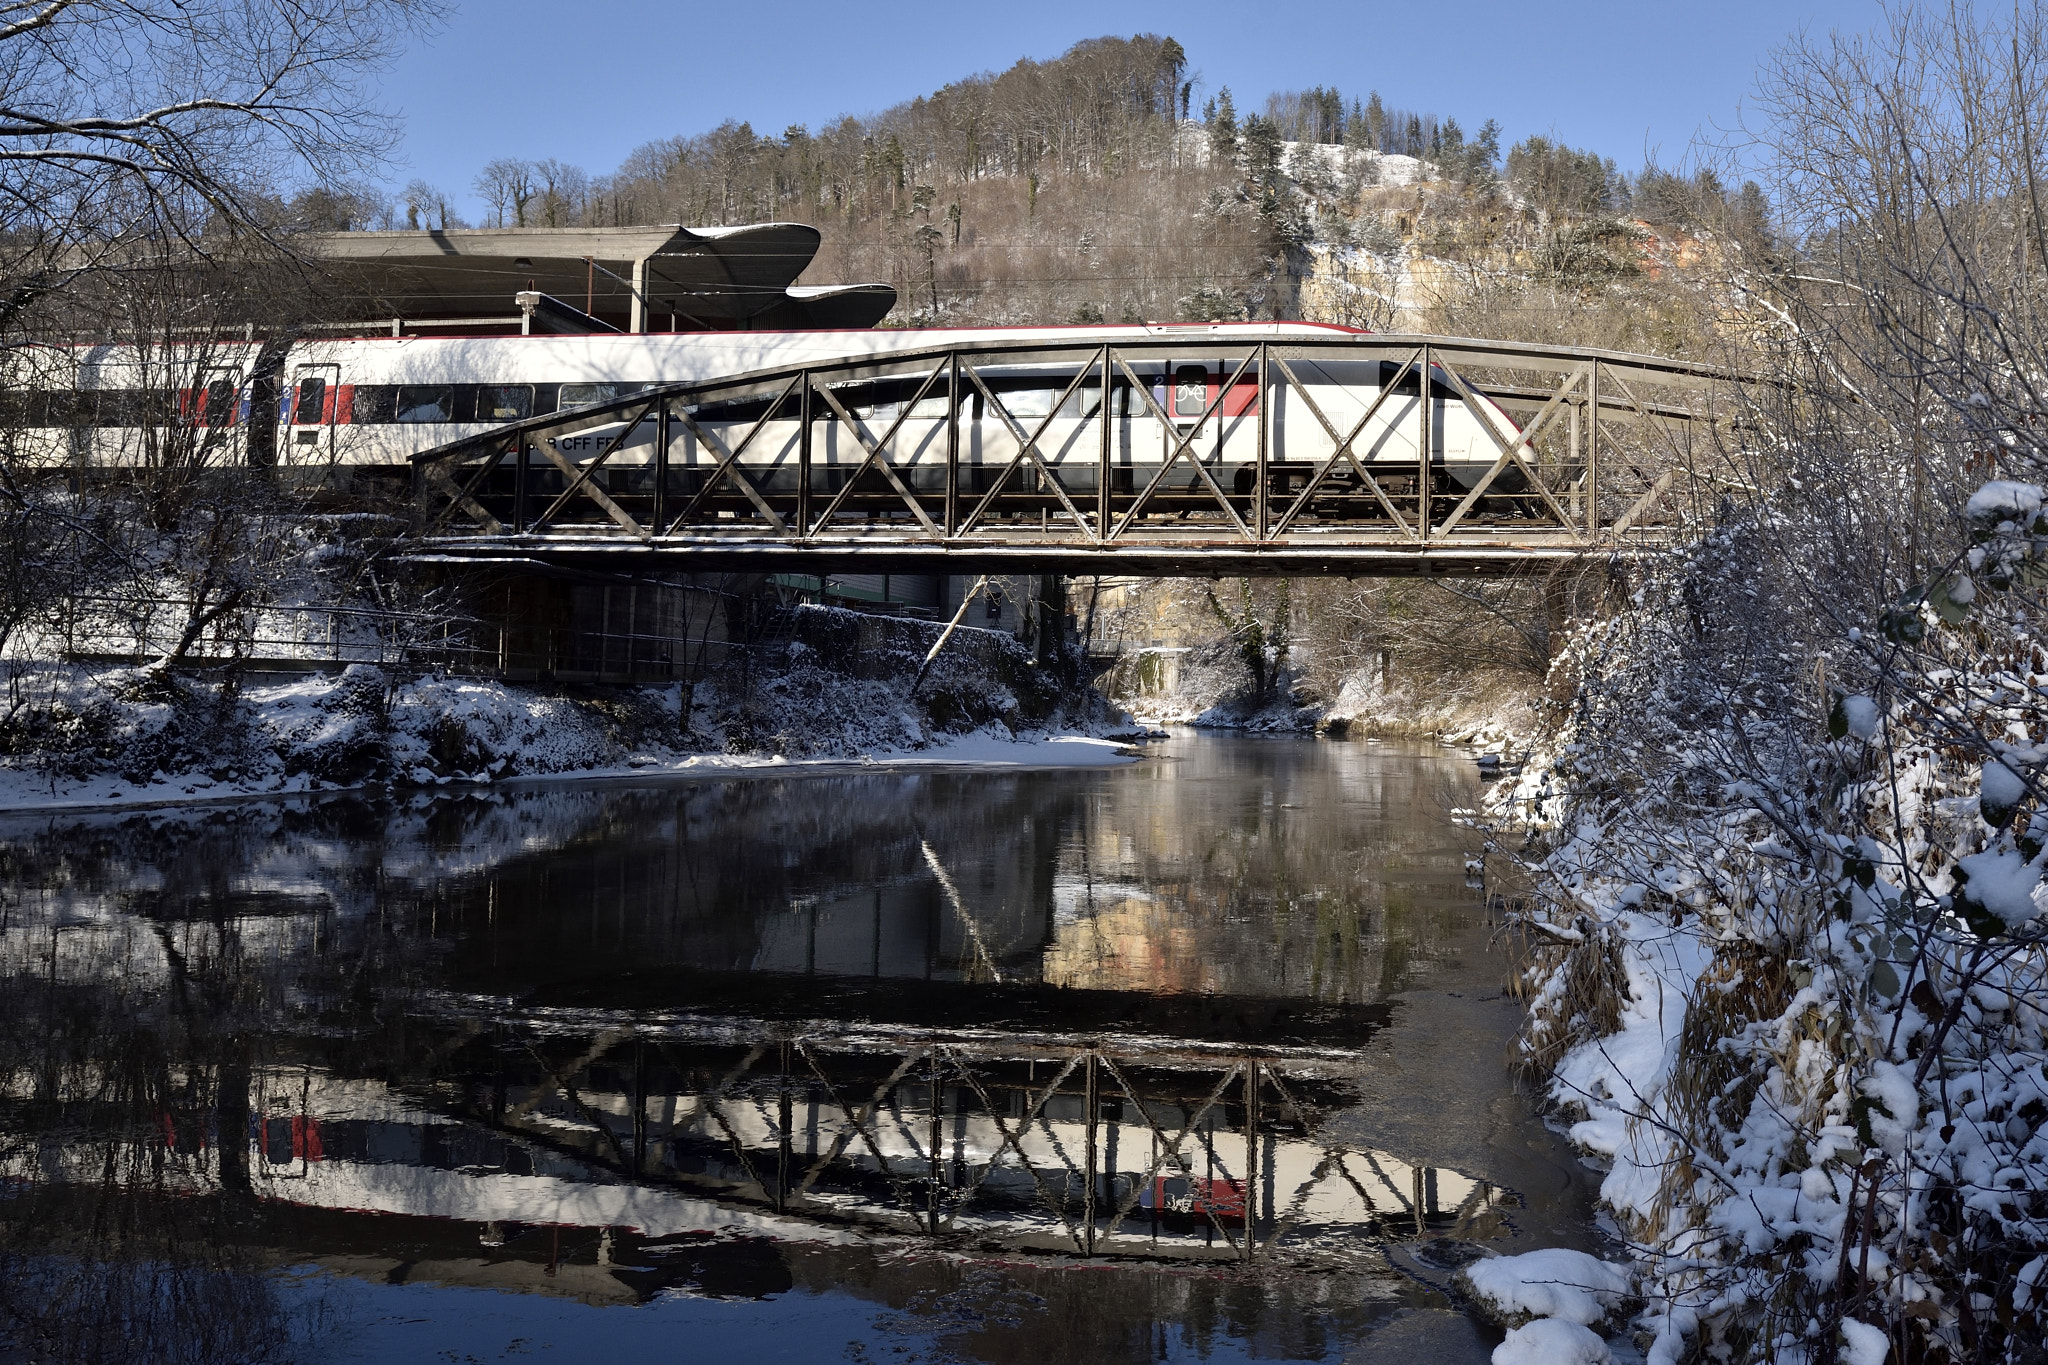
1206	456
1096	1147
671	1077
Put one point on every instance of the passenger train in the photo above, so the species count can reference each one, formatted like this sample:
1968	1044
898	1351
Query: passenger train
367	406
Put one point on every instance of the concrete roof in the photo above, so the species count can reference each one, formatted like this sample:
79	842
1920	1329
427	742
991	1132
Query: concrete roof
703	278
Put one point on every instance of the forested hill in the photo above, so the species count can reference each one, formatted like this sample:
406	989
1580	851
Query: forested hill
1090	188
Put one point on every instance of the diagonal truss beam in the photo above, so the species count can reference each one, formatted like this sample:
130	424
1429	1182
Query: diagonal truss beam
1525	441
874	458
1509	450
1165	1150
590	490
463	495
1184	446
1345	446
1663	482
728	466
857	1123
1010	1143
1028	447
581	483
601	1045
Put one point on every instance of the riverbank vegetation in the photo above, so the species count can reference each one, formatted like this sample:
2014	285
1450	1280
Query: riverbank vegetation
1791	975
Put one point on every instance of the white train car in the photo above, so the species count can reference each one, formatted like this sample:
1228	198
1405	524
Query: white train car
368	405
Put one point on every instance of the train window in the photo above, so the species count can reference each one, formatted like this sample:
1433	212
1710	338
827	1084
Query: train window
581	395
504	402
372	403
424	403
1410	385
309	408
1085	401
79	408
934	406
1190	390
217	403
1029	402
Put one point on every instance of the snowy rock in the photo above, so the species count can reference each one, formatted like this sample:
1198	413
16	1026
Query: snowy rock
2003	882
2030	1283
2004	500
2001	790
1863	1344
1552	1283
1860	714
1552	1341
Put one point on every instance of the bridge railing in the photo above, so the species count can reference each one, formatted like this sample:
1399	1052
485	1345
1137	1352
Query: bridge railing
1168	443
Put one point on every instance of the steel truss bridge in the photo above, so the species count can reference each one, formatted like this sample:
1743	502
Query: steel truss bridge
939	462
1152	1147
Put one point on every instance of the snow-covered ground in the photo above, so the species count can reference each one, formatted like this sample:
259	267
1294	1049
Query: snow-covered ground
840	693
1495	717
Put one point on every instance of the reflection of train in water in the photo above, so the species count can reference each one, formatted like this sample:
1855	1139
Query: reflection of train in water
369	404
785	1158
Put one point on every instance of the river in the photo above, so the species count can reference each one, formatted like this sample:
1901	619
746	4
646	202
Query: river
1198	1059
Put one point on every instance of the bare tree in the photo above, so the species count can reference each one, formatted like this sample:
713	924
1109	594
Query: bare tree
508	184
175	116
427	207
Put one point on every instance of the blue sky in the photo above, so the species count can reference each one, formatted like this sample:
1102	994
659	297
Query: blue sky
587	82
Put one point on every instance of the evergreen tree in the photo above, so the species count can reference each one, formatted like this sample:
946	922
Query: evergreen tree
1223	127
1357	134
1173	60
1333	116
1483	155
1376	123
1262	150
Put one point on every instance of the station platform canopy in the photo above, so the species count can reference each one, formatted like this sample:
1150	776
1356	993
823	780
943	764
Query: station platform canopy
481	281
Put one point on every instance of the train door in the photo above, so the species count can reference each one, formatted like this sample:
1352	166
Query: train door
316	393
1183	394
1190	395
216	403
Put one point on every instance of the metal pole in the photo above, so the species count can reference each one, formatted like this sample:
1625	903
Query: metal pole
1426	391
1102	522
803	458
661	471
952	443
519	481
1593	451
1265	450
639	1110
1251	1152
1088	1195
783	1148
932	1205
1573	453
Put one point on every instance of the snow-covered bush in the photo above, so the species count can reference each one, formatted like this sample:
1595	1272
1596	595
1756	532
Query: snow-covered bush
1789	980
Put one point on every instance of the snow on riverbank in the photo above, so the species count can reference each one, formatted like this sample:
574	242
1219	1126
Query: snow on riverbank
1789	974
28	791
838	694
1494	716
